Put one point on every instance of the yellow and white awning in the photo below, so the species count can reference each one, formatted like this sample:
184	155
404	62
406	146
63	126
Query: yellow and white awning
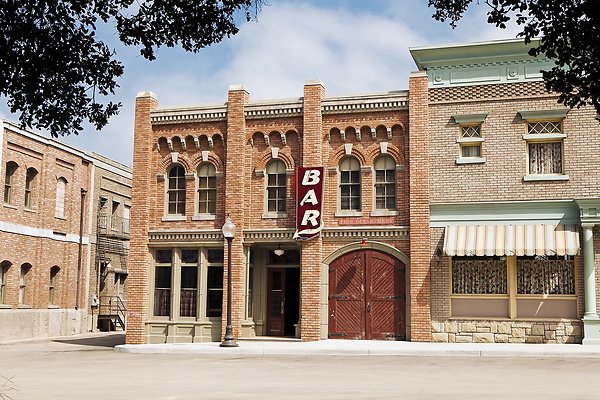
511	240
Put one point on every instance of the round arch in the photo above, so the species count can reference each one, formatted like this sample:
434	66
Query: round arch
386	248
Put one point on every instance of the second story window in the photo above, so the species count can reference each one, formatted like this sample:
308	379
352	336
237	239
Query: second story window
385	183
470	140
276	187
176	191
207	189
9	177
349	189
545	153
61	189
29	186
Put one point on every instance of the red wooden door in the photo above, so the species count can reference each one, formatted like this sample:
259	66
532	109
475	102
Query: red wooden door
366	296
275	301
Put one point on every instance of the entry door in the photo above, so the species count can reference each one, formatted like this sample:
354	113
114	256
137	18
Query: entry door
275	302
367	296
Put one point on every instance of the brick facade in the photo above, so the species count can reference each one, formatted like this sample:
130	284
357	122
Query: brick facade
435	187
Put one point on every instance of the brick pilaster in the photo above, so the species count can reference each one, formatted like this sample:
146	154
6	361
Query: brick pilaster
235	199
312	251
137	295
420	285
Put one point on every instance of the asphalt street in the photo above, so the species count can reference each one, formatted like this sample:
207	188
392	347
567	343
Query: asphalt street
89	368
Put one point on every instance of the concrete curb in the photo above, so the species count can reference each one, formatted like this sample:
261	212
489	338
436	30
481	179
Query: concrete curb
370	348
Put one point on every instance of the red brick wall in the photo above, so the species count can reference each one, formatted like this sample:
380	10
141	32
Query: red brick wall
419	169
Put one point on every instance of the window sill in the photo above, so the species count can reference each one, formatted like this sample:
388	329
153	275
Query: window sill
6	205
62	218
274	215
545	177
53	307
24	307
470	160
167	218
384	213
5	306
30	210
204	217
348	213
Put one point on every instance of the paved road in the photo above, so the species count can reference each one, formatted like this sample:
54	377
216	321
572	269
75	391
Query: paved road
89	369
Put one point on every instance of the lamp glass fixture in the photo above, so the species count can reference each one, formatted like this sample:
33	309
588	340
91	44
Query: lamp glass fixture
279	251
228	228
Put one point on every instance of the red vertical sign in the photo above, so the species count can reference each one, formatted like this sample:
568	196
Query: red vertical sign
309	202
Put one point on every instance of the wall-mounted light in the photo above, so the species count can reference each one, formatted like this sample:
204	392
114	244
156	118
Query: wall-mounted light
279	251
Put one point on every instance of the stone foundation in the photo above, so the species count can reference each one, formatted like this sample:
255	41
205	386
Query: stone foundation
506	331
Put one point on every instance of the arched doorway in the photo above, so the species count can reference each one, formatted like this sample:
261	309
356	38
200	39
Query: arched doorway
367	296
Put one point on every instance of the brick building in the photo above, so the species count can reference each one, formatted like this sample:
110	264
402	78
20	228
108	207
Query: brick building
452	211
45	229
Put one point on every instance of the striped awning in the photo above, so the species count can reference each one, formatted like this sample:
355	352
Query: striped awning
511	240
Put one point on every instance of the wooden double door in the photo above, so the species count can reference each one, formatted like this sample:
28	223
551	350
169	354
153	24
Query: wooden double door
283	301
367	296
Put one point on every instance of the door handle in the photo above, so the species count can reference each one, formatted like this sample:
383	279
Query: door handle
369	308
282	308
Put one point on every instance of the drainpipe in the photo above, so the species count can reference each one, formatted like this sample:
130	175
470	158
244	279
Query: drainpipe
79	255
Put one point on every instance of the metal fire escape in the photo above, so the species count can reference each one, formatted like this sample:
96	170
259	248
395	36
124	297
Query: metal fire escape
111	234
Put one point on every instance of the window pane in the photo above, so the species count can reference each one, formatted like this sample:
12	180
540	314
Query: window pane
215	256
189	256
214	301
164	256
163	277
479	275
355	203
545	275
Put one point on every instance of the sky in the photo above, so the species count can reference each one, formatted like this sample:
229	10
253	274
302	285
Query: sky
353	46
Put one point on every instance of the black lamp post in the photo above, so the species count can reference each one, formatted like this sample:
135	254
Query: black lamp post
229	233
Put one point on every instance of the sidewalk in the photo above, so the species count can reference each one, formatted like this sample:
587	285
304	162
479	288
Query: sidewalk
370	348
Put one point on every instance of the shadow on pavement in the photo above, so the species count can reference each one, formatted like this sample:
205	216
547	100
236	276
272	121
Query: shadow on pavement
110	340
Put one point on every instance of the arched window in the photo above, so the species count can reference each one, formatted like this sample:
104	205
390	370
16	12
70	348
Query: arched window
4	266
61	189
349	184
385	183
11	168
207	189
52	284
25	268
29	186
176	191
276	186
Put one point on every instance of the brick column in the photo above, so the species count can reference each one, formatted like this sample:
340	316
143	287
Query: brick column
312	250
235	199
139	258
418	136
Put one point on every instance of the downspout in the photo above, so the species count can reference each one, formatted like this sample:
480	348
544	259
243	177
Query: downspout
79	255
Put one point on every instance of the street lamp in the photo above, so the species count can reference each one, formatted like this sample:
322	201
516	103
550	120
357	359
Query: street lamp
229	233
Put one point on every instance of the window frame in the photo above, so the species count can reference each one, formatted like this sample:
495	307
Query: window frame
30	180
25	269
59	207
385	185
52	285
350	211
10	172
273	168
180	192
4	267
208	190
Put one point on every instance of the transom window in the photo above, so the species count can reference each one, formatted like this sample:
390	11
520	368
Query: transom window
207	189
176	191
385	183
349	184
11	168
536	128
276	186
471	131
29	182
